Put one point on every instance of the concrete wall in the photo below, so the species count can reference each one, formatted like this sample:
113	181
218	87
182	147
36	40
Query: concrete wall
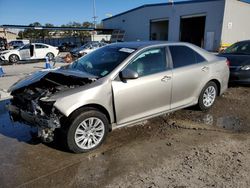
7	34
137	23
236	24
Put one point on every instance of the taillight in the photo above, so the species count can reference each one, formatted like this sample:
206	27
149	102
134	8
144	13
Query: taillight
228	63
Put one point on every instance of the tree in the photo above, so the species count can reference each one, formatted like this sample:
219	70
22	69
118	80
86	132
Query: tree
81	34
34	33
45	33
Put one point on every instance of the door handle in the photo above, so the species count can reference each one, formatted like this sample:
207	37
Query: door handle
166	78
205	68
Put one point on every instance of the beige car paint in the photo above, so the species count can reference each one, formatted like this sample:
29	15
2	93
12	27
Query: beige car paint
149	96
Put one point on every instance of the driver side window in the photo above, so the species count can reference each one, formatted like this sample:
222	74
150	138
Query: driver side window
149	62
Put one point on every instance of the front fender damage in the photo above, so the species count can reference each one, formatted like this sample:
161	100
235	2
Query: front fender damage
33	106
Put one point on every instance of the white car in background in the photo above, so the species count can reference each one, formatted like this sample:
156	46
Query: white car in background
29	52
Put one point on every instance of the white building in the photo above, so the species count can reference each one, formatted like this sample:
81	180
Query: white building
206	23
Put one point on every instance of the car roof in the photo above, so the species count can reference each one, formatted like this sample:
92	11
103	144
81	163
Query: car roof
137	44
40	43
143	44
243	41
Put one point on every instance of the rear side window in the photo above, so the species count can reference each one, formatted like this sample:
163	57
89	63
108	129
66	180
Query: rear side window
39	46
184	56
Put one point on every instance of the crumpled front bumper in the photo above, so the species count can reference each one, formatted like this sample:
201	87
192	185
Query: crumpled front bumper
31	119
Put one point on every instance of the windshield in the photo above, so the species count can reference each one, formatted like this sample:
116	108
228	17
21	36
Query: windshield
91	44
84	46
102	61
238	48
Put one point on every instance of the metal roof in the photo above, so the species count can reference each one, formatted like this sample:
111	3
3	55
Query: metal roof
167	4
54	28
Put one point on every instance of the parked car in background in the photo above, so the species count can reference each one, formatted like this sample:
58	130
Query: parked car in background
17	43
87	48
115	86
66	46
239	57
29	52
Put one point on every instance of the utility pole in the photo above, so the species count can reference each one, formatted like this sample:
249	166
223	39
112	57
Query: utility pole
94	14
172	2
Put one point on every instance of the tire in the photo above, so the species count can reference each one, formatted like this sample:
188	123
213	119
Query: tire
92	128
50	56
207	96
13	58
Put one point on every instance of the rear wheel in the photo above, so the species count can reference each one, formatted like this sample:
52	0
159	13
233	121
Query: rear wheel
50	56
87	130
208	96
13	58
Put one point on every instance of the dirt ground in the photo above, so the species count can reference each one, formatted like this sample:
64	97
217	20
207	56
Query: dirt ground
187	148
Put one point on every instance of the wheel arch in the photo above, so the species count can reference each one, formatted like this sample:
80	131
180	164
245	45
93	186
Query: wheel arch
218	84
18	55
93	106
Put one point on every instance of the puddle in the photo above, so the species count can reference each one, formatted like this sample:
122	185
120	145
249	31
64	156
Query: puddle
226	122
10	129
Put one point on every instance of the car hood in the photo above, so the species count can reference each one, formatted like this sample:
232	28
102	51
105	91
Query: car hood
236	59
37	76
7	51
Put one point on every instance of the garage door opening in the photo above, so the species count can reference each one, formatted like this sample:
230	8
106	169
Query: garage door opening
159	29
192	30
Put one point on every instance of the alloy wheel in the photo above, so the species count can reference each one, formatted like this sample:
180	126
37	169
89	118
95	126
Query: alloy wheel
89	133
209	96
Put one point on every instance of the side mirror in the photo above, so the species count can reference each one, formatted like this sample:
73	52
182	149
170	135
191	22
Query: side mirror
128	74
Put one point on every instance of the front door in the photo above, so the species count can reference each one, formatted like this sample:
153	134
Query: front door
147	95
25	52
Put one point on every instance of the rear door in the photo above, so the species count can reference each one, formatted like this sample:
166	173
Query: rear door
190	70
41	51
147	95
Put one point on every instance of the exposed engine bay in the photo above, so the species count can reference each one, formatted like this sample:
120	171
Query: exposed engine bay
31	106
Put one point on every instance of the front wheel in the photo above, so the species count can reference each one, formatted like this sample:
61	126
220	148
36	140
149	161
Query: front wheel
13	58
87	130
208	96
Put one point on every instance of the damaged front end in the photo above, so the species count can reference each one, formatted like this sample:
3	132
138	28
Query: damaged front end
31	103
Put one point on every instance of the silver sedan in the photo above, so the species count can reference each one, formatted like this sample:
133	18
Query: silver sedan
115	86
